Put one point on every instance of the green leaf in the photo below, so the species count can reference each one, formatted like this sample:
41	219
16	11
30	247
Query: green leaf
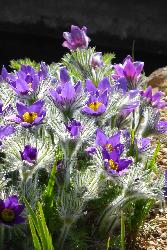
16	64
152	164
36	242
108	57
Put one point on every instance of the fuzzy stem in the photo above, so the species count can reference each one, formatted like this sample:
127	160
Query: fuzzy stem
63	236
2	237
122	247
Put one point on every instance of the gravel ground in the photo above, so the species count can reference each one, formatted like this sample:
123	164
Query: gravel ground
153	234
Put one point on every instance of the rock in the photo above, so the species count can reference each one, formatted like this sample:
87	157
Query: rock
158	79
164	236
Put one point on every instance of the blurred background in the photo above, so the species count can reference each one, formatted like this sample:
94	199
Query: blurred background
33	28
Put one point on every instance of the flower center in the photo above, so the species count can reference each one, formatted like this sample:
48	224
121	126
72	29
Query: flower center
29	116
95	105
30	85
113	165
7	215
109	147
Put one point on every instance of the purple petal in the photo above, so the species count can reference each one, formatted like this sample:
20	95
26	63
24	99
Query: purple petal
64	76
101	138
36	107
21	108
68	91
129	69
104	84
90	87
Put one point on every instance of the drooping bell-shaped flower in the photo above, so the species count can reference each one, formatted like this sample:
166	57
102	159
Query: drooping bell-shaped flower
76	39
29	116
153	99
10	211
29	154
128	73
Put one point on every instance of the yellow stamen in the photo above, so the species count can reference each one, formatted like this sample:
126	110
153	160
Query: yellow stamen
30	85
109	147
29	117
7	215
95	105
113	165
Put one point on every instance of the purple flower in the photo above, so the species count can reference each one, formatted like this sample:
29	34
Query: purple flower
128	108
76	39
128	73
109	144
104	85
90	150
153	100
26	80
114	164
96	106
66	93
29	154
161	127
29	116
6	131
97	60
74	127
141	145
10	211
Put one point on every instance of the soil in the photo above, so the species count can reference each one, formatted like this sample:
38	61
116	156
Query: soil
153	234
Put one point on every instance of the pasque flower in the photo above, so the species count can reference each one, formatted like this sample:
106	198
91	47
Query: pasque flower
76	39
10	211
6	130
29	154
97	60
114	164
66	93
26	80
104	85
96	106
153	99
109	144
128	73
29	115
74	127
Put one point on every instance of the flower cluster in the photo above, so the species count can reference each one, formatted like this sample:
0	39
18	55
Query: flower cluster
90	120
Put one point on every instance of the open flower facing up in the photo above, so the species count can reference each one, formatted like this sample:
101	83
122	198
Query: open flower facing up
109	144
26	80
97	60
74	127
114	164
153	99
10	211
29	116
66	93
76	39
96	106
29	154
128	73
